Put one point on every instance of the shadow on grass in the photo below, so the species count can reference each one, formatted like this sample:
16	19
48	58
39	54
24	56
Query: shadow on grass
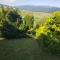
24	49
46	47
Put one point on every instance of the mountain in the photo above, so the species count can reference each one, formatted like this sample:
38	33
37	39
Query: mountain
39	8
34	8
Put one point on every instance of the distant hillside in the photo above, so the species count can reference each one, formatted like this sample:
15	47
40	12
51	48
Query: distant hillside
34	8
39	8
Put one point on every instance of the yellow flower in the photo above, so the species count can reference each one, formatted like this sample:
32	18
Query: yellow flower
41	30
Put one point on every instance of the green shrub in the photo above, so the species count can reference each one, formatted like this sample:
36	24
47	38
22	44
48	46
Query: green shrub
9	31
51	36
50	43
10	21
28	21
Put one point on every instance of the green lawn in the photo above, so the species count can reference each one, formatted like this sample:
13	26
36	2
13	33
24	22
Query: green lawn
23	49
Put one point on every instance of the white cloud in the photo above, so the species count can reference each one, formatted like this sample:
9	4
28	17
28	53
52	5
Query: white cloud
7	2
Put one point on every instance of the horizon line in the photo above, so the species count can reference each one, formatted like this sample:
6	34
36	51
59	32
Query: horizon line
31	5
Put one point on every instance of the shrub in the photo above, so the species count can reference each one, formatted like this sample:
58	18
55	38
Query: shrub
10	21
28	21
9	31
50	34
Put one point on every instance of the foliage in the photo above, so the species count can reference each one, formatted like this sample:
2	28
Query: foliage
13	15
49	33
12	25
10	21
41	30
28	21
9	31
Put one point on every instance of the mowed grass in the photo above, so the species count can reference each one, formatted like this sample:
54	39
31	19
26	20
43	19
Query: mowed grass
23	49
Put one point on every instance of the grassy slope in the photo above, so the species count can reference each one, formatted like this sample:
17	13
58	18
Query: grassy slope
36	14
23	49
39	17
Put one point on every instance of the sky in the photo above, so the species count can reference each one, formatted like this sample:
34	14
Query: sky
55	3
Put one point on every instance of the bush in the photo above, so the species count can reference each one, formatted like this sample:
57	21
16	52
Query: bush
28	21
10	21
9	31
13	15
50	34
50	43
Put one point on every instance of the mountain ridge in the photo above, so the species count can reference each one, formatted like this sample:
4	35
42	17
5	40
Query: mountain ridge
35	8
39	8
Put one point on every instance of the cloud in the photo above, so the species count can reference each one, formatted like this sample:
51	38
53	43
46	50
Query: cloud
7	1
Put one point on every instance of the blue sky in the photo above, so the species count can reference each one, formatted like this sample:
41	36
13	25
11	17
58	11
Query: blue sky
31	2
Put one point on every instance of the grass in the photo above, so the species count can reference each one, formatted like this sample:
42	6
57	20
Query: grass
39	17
23	49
